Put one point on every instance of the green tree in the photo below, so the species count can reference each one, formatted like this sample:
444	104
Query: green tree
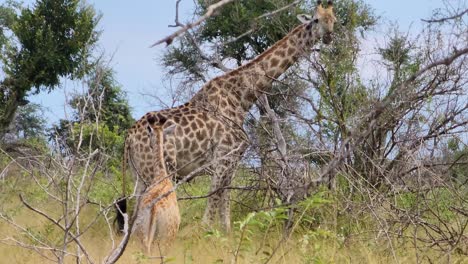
101	116
30	122
49	41
265	31
231	42
401	61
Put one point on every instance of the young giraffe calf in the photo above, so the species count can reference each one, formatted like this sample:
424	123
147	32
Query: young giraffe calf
160	218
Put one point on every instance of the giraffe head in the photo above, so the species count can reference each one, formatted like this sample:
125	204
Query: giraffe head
321	22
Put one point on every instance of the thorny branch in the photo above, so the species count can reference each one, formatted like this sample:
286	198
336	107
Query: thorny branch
117	252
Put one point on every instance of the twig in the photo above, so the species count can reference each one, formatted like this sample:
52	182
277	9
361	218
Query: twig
210	12
55	222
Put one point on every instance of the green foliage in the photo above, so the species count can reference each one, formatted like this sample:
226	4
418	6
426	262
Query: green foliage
339	85
245	233
397	51
312	212
104	189
407	200
266	31
355	15
184	58
105	99
30	121
434	206
54	38
91	136
99	136
193	209
440	201
100	119
312	242
400	58
7	17
49	41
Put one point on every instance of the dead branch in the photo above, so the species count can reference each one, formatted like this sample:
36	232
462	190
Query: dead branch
445	19
268	14
117	252
57	223
210	12
280	142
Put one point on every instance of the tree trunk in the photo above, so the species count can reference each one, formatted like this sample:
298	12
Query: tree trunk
10	101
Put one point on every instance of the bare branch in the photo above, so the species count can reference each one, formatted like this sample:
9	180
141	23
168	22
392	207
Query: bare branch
118	251
210	12
281	143
445	19
55	222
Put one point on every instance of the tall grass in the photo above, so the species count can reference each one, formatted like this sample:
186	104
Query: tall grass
326	229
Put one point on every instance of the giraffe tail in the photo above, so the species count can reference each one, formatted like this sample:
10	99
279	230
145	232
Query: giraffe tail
121	208
121	204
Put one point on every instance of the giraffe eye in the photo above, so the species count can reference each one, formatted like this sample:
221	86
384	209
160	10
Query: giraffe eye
315	20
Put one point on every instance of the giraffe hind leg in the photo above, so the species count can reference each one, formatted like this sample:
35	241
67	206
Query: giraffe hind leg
225	210
152	229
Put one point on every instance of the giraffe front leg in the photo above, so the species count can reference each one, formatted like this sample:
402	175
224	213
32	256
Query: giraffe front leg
212	204
224	206
220	199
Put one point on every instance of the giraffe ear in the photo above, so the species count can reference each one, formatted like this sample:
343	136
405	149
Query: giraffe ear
304	18
169	130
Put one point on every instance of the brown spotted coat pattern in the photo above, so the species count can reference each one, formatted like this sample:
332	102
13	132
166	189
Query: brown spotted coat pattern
155	220
209	126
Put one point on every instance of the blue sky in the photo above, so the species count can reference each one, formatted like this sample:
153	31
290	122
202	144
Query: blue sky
129	29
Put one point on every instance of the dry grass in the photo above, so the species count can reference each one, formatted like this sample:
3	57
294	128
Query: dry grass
321	242
195	244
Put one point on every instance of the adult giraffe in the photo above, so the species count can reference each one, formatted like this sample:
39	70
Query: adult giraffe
208	129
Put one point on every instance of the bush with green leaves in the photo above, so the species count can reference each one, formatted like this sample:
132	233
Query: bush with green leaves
101	117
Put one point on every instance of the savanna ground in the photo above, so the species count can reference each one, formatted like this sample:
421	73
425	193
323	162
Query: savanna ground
327	228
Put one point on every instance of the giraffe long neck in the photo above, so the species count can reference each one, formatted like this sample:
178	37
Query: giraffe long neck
235	92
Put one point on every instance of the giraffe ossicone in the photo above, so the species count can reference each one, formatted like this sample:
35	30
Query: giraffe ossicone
210	126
